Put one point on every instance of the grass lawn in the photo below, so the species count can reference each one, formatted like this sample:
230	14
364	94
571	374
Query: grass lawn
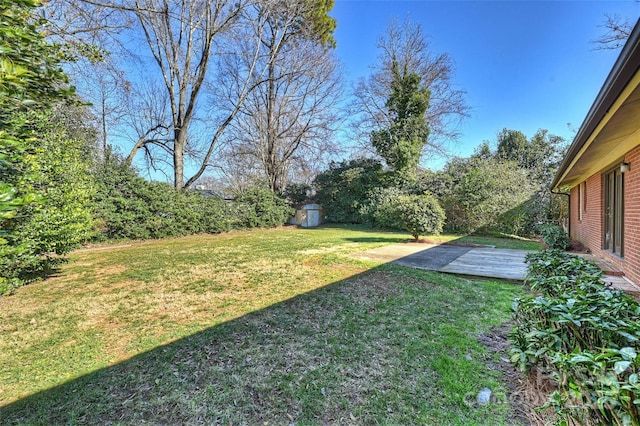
263	327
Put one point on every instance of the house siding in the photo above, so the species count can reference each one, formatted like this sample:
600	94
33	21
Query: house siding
588	229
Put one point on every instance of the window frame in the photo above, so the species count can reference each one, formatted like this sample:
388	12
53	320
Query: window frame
613	211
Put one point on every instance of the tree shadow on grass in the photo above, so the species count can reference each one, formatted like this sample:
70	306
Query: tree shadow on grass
359	351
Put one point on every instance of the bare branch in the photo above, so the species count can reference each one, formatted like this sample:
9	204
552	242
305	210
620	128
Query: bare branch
617	32
288	119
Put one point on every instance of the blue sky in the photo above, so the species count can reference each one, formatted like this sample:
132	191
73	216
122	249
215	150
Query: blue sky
524	65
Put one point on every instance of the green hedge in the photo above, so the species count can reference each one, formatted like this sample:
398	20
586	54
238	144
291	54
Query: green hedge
259	207
343	189
127	206
55	218
585	335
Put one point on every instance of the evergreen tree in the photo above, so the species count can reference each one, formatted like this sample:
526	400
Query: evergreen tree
402	142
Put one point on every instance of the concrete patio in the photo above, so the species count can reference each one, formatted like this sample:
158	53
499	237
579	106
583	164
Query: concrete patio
482	262
486	262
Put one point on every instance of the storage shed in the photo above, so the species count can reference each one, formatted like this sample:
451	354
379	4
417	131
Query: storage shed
308	216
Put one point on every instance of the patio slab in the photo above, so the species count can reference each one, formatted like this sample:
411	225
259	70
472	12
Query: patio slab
435	258
504	264
486	262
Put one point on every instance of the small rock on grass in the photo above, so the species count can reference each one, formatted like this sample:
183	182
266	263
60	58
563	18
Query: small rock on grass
484	396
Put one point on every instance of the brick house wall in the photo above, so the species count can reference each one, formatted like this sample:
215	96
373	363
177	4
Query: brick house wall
587	227
632	216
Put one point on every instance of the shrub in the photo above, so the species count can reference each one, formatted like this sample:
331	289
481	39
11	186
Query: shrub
381	210
55	217
259	207
343	189
297	193
489	195
585	334
216	214
554	236
420	214
127	206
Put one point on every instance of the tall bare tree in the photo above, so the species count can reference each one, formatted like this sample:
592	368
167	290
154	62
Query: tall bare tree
186	41
289	118
181	36
405	45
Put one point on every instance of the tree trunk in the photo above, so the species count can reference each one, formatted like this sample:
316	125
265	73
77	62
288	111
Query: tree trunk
178	158
272	153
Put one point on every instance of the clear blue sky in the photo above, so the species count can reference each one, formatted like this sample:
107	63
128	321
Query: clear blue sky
524	65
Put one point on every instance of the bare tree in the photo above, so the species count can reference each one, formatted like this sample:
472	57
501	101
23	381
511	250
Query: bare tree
85	30
108	91
185	40
289	118
406	45
181	37
617	32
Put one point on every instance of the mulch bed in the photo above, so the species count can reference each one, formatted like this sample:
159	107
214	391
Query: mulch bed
525	392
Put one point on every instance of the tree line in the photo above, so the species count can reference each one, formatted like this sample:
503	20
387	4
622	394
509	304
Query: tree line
502	188
252	91
237	90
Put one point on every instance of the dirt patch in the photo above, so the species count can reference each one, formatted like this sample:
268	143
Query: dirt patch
525	392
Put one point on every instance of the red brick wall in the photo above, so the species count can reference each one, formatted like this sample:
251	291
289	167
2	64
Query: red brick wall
632	216
589	230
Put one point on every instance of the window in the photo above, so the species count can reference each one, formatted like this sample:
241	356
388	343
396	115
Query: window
613	211
584	196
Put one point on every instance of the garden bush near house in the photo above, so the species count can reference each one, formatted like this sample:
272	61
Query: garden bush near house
585	335
554	236
420	214
483	192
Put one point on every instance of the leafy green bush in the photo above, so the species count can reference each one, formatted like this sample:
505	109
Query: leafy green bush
420	214
127	206
484	192
55	173
32	228
297	193
259	207
585	334
380	208
343	189
554	236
